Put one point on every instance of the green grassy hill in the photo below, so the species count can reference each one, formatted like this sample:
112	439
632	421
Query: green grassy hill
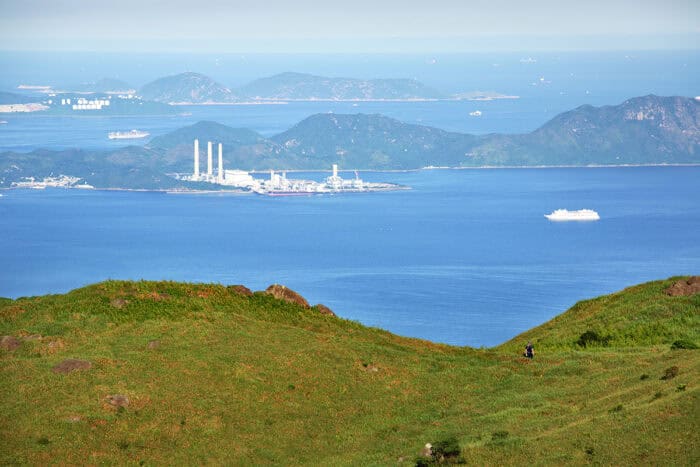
639	316
215	376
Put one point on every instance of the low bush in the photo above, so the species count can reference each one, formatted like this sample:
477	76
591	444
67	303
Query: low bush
446	451
670	373
589	338
684	344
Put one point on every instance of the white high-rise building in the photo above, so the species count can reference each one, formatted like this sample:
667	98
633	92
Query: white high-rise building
196	159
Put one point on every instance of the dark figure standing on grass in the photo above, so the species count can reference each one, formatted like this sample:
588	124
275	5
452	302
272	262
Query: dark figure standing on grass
529	350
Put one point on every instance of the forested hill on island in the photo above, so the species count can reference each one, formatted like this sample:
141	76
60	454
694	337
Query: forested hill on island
188	88
196	88
642	130
301	86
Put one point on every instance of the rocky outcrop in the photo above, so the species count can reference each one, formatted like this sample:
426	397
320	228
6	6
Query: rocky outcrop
9	343
71	364
119	302
240	290
690	286
117	400
324	310
288	295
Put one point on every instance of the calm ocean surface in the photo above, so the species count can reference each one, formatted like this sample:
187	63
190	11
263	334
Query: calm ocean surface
465	257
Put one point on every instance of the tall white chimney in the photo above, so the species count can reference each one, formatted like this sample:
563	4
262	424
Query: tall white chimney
221	164
335	170
210	172
196	158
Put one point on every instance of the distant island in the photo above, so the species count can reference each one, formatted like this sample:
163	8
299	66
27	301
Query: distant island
483	96
188	88
302	86
640	131
192	88
83	103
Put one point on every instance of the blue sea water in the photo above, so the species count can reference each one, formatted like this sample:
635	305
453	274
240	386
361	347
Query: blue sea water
464	257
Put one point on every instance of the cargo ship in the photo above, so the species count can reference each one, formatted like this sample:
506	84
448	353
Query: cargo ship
133	134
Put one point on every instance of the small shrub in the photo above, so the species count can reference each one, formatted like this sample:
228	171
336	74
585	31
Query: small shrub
592	338
446	451
670	373
684	344
644	376
589	451
680	387
658	395
123	444
617	408
499	435
43	441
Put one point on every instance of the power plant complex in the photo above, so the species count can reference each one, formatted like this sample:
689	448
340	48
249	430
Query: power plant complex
276	184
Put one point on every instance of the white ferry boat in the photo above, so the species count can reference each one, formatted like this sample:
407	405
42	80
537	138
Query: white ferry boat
133	134
566	215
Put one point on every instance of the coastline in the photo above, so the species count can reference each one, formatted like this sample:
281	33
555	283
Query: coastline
398	188
284	100
483	167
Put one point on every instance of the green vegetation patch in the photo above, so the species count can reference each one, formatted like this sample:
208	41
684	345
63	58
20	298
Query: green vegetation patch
174	373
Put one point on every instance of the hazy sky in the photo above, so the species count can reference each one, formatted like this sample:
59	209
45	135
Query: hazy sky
347	26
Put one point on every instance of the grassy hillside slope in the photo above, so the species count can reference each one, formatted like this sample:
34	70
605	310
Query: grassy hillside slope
214	376
639	316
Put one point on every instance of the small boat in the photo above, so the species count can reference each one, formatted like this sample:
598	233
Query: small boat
566	215
133	134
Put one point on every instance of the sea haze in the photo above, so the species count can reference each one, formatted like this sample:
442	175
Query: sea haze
466	257
547	83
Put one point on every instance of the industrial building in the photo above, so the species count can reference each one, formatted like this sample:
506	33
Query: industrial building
276	184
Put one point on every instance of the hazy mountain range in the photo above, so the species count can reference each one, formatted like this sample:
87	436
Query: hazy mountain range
642	130
304	86
188	88
196	88
200	89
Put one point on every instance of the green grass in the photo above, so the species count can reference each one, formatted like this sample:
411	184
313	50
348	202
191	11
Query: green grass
240	380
